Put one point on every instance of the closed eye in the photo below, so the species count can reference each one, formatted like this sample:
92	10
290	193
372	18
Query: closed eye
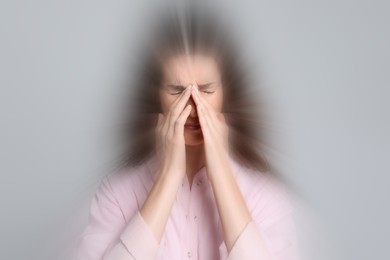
178	89
176	93
179	92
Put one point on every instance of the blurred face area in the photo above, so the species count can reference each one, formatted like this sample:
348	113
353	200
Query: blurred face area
178	73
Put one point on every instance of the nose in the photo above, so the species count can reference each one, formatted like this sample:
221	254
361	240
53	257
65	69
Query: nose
193	107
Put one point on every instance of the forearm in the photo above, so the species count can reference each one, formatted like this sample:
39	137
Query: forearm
157	206
231	205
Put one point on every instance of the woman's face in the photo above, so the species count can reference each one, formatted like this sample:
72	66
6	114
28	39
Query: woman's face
178	73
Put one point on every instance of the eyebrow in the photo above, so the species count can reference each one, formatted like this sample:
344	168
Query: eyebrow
181	87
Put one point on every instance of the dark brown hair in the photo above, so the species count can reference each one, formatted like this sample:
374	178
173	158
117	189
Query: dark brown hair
197	32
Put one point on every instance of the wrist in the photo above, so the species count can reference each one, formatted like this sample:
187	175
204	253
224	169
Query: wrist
171	174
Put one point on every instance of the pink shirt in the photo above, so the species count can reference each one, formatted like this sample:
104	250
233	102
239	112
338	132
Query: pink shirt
116	229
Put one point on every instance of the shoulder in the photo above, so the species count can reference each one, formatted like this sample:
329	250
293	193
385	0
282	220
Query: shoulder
130	178
124	178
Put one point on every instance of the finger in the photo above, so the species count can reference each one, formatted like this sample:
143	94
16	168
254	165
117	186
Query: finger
225	126
204	122
203	111
166	123
159	119
182	94
208	109
178	109
225	131
200	99
196	96
221	117
159	122
179	104
179	124
158	130
200	104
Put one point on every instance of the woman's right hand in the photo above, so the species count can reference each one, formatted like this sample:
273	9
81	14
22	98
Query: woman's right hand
170	136
171	156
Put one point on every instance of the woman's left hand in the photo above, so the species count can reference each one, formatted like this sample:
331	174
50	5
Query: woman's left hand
232	207
215	134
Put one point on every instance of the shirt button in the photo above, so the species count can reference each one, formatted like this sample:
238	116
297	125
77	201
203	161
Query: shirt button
194	217
189	254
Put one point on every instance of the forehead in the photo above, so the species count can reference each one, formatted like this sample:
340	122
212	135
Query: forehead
187	69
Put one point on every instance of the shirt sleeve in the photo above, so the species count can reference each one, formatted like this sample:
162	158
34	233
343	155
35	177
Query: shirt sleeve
108	236
271	235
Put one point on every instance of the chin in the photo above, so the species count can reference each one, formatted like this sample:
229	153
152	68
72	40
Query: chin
194	138
193	142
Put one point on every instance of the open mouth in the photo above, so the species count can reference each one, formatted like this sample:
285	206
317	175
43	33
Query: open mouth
192	126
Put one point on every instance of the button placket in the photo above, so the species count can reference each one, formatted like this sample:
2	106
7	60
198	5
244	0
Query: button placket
193	217
192	211
190	225
187	209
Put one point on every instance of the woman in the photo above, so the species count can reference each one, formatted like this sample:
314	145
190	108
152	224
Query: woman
195	186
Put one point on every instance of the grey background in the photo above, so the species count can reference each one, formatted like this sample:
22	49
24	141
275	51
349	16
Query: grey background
325	67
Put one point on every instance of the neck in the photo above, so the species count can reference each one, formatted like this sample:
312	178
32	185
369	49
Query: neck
195	160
